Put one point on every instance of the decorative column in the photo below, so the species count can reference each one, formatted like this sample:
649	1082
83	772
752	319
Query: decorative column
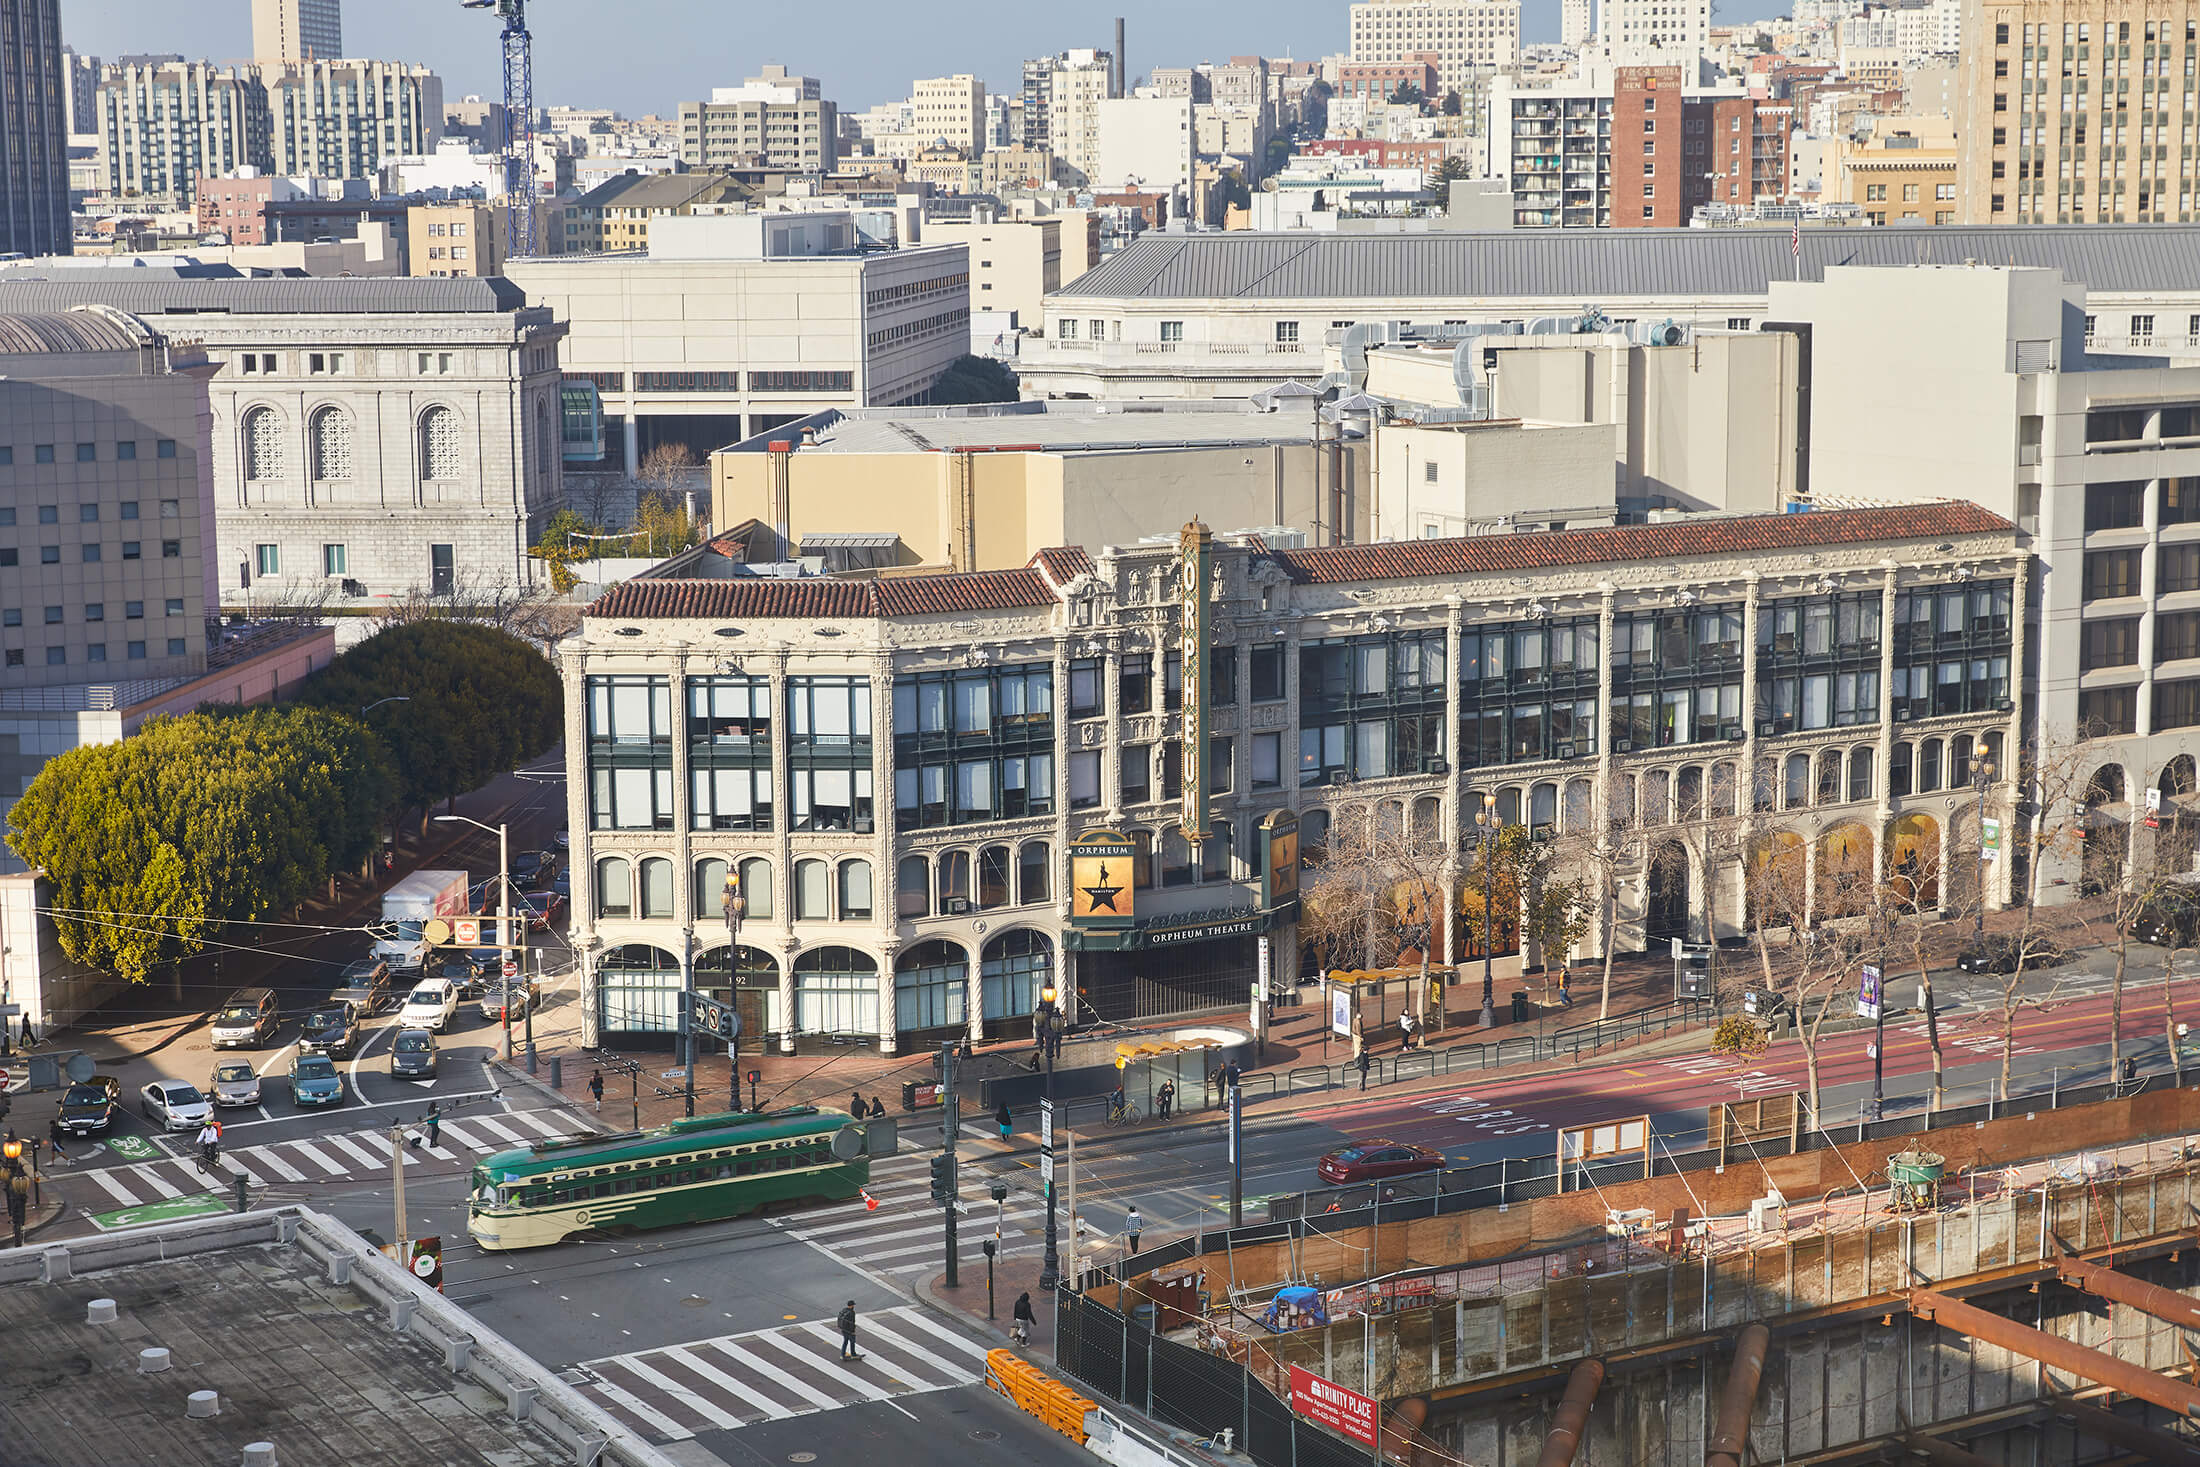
783	844
1607	732
1448	815
888	952
885	825
1883	781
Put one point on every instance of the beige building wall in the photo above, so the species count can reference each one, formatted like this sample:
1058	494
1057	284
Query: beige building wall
1014	263
456	239
2039	73
1905	172
951	109
1478	478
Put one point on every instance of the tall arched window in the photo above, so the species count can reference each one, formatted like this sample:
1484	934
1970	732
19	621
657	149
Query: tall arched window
614	888
439	444
855	891
263	444
954	869
542	444
710	887
1688	793
1798	781
656	888
813	896
1860	772
993	876
1176	857
1928	766
1034	867
913	887
756	888
331	444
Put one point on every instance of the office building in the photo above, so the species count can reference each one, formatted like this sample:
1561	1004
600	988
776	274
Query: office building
1905	171
759	319
236	206
1656	33
1573	23
951	110
107	533
1146	143
1466	36
2077	112
370	438
777	123
297	30
1014	263
79	92
34	143
901	802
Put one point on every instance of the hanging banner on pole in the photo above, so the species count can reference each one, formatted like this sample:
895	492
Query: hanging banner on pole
1867	993
1989	838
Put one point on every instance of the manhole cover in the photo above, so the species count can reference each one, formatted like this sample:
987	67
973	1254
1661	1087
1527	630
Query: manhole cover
695	1301
802	1456
982	1435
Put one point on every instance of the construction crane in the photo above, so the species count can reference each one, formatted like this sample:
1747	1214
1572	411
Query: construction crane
519	125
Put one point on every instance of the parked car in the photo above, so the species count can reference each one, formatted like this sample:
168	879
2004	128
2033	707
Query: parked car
367	986
412	1055
91	1107
176	1104
235	1083
460	970
2170	919
430	1005
543	907
2001	953
247	1019
514	996
314	1081
530	868
332	1030
1374	1161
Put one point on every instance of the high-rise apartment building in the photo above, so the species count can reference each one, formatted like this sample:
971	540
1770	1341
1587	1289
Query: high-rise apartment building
1573	21
2077	111
1466	35
1062	97
1656	32
163	125
951	109
345	119
79	91
770	121
297	30
34	145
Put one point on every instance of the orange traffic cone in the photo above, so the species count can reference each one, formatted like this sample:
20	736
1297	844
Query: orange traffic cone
870	1203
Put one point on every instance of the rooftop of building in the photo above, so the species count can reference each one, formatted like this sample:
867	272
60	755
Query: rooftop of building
245	1306
1041	427
654	190
1603	264
81	329
42	287
1040	582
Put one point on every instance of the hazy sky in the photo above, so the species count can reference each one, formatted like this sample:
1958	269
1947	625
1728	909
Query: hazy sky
648	55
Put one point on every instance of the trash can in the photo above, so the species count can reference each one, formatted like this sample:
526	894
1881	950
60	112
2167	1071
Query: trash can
909	1096
1520	1008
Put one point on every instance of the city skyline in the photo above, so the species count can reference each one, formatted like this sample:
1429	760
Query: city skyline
585	64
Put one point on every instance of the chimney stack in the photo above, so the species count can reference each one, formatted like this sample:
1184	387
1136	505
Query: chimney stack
1122	72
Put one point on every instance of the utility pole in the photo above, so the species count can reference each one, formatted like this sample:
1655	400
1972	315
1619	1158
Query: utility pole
1237	1156
1050	1268
1070	1242
397	1181
950	1128
504	924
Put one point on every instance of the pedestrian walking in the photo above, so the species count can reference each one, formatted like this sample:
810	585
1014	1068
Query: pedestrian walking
878	1109
595	1088
848	1331
53	1140
858	1106
1133	1225
1405	1032
1165	1098
1021	1320
1003	1119
1565	987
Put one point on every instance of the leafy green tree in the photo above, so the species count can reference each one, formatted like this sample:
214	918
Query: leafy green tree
1407	95
1452	104
975	379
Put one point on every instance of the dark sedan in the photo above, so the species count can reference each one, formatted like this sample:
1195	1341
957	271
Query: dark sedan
2005	954
89	1108
1375	1161
413	1055
333	1031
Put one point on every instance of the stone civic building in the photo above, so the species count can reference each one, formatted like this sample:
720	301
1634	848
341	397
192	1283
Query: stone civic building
371	438
896	769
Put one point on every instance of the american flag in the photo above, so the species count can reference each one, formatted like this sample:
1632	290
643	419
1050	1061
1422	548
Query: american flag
1795	241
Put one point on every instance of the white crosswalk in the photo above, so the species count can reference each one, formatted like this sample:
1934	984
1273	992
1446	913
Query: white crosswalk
903	1235
327	1157
670	1394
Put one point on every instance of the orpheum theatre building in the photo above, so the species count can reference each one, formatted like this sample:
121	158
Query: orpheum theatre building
937	794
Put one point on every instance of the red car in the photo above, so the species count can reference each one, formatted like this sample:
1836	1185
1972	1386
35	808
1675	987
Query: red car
1372	1161
542	907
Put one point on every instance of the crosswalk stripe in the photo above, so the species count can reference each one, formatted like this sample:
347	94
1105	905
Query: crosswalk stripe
688	1399
832	1337
881	1219
236	1159
145	1173
496	1127
321	1159
268	1158
364	1157
625	1401
733	1351
922	1353
377	1145
915	1317
114	1188
465	1137
534	1118
690	1358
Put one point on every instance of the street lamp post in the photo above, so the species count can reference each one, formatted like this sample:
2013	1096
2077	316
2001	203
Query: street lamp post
1050	1267
504	908
1488	824
1982	775
735	906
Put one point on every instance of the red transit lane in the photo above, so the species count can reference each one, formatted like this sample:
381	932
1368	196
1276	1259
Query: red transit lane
1475	1109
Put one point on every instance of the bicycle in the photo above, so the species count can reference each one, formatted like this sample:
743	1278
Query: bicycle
1125	1114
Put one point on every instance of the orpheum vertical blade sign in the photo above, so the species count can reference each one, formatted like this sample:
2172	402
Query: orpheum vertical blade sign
1325	1403
1195	579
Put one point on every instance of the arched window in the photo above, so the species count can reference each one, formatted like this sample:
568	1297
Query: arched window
931	988
855	891
993	877
1688	794
1655	785
1543	809
1860	772
331	444
1991	748
1928	766
1898	770
1581	807
542	444
614	888
835	989
656	888
954	867
1959	761
1015	966
1829	776
1034	872
1623	801
1214	853
1797	793
440	456
1314	833
913	887
1764	788
813	895
1508	805
756	887
710	887
1141	859
1722	790
1176	857
1428	818
263	444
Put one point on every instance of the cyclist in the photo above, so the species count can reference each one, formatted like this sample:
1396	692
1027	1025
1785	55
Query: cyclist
1116	1103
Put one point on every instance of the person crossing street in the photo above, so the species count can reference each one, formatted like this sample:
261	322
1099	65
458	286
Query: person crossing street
1133	1225
848	1331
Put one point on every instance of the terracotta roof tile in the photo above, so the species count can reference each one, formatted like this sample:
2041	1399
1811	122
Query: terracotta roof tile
1061	564
1702	535
758	598
976	591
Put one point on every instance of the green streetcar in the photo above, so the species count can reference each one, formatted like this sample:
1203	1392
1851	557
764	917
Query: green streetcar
689	1171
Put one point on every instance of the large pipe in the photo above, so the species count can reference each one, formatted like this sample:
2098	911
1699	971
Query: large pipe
2144	1441
2064	1355
1730	1432
1572	1417
2164	1304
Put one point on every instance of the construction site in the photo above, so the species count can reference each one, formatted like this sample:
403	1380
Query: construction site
2015	1289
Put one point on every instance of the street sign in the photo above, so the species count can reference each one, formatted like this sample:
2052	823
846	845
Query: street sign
511	968
1326	1403
1867	993
1046	1166
1046	1124
720	1020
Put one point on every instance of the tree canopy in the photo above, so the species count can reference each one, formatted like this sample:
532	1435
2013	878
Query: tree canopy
975	379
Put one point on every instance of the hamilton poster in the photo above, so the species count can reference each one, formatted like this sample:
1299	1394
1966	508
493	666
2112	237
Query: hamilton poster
1100	879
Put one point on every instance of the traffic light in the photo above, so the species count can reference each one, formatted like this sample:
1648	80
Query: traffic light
943	1179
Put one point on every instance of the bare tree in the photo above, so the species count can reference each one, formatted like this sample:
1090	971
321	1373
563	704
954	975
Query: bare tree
667	477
